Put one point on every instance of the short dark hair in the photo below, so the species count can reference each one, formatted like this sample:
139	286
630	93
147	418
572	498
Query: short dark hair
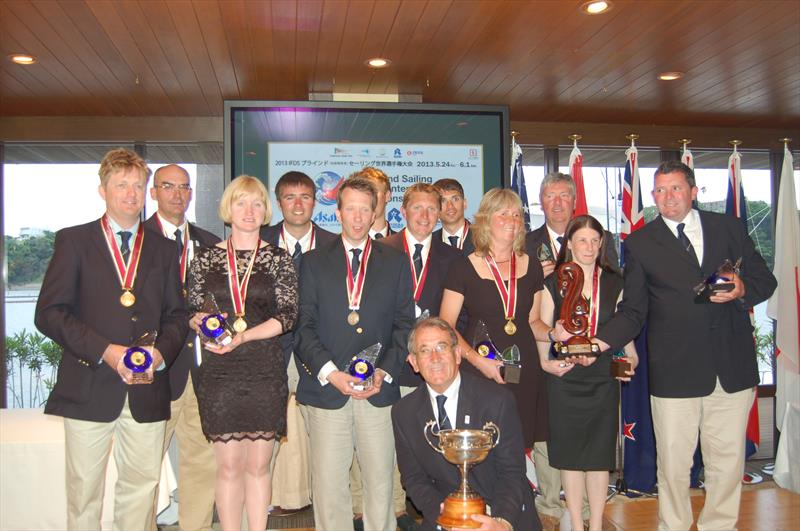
431	322
293	178
672	166
449	185
362	184
581	222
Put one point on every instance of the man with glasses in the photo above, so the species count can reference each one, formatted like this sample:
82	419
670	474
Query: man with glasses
196	465
459	401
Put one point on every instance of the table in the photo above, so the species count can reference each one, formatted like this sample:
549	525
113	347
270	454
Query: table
32	470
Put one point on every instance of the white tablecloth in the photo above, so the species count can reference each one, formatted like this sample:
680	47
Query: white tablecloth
32	485
787	461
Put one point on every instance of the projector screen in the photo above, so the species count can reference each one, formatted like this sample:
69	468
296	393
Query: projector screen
329	141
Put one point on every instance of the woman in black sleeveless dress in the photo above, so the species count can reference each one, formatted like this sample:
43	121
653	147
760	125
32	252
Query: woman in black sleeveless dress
583	398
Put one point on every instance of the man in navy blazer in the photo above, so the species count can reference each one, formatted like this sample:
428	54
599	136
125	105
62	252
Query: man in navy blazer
702	361
172	190
94	306
460	401
353	294
455	227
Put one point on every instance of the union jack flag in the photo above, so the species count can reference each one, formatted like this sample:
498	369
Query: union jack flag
632	209
518	181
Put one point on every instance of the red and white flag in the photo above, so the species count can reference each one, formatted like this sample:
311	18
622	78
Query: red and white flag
784	305
576	171
687	157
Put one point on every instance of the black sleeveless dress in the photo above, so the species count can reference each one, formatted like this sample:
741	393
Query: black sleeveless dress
482	302
583	404
243	394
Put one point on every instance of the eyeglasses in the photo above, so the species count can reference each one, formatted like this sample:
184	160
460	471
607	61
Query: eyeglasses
168	187
439	348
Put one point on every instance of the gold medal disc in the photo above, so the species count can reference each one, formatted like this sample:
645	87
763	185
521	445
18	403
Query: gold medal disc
127	299
240	325
352	318
510	328
483	350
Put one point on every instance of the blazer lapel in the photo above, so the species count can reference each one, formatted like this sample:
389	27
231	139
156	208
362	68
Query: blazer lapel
663	236
464	412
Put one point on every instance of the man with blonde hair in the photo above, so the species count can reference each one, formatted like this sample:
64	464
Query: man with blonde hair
108	283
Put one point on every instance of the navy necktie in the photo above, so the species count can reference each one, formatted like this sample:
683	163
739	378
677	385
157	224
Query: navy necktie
685	243
453	240
355	262
298	252
560	240
179	239
417	259
125	248
444	422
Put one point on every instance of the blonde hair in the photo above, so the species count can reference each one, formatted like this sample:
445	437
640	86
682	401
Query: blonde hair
122	159
493	201
241	186
375	175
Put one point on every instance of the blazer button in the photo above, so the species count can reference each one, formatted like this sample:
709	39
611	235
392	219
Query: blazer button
359	330
134	318
190	344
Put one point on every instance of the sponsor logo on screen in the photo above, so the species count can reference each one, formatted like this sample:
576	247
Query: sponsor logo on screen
328	184
398	154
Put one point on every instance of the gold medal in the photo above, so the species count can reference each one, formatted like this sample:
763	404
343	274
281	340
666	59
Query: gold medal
510	328
483	350
127	299
352	318
240	325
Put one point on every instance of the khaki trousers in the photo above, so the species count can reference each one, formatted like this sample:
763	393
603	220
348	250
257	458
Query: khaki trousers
137	452
197	467
549	479
335	434
398	494
721	419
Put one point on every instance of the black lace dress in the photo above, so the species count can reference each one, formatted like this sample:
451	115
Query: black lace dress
243	394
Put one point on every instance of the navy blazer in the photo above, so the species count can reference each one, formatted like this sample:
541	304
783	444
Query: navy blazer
690	344
500	479
323	334
440	258
79	309
186	361
272	235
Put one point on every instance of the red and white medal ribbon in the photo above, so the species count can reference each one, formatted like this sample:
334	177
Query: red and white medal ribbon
594	306
238	288
286	242
125	271
417	283
184	260
464	235
507	295
355	287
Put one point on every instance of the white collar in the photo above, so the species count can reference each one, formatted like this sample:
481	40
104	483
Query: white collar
169	229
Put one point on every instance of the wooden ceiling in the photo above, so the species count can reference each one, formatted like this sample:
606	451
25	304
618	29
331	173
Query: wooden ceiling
545	59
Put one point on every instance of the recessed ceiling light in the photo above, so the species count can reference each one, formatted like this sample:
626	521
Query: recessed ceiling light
378	62
22	58
670	76
596	7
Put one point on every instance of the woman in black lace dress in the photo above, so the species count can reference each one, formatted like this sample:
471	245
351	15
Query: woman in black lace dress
241	387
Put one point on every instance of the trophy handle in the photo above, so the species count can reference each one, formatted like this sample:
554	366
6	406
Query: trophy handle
429	427
492	427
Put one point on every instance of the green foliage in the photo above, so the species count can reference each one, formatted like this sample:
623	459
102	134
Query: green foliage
765	345
28	258
40	357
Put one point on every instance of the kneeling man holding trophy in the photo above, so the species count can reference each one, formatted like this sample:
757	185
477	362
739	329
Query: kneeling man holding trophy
460	422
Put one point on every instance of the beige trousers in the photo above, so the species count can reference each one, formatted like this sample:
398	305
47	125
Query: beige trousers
335	434
137	452
197	467
549	479
721	419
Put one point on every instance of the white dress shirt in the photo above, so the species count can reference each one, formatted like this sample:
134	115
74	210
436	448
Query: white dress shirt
693	231
451	404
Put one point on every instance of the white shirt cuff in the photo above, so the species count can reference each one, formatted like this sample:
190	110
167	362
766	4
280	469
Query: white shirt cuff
325	371
387	377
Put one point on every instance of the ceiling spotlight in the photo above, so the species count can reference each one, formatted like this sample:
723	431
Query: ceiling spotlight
22	58
670	76
596	7
378	62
